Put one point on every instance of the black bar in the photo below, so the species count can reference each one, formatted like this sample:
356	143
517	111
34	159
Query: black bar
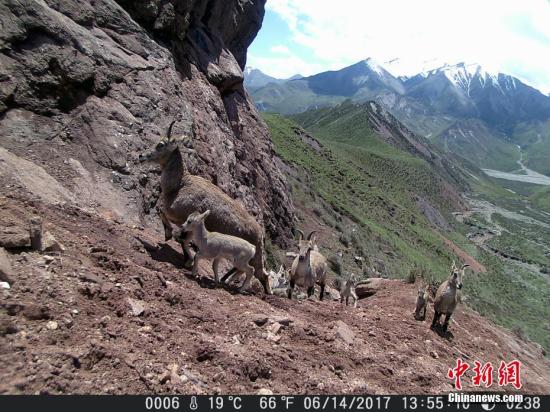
268	403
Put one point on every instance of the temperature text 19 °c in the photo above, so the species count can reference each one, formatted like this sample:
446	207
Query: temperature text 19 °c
219	402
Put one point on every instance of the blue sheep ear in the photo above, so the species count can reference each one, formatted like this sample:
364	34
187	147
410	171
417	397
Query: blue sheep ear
205	214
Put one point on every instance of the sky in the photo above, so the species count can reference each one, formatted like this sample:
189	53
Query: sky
310	36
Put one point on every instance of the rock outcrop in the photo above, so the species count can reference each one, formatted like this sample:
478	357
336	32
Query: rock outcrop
85	86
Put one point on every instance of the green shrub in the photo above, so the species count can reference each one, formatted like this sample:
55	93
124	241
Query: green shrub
345	239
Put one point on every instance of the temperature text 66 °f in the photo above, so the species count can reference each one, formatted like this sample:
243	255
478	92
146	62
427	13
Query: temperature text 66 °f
272	402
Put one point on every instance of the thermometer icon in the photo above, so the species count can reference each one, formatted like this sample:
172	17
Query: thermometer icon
193	406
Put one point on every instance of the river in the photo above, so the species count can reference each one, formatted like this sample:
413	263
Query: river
530	176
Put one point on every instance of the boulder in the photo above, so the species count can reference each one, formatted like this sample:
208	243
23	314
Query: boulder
51	244
13	237
137	306
344	332
273	332
368	287
170	374
223	71
332	293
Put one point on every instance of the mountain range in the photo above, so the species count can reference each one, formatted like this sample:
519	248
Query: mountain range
255	78
489	113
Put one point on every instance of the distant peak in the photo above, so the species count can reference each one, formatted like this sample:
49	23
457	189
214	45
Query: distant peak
466	67
371	62
466	74
374	65
296	77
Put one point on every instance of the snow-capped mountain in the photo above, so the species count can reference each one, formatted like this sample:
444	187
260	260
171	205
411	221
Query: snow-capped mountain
404	69
469	90
466	75
469	75
455	91
366	78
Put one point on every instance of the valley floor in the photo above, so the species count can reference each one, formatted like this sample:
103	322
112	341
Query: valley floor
526	175
483	238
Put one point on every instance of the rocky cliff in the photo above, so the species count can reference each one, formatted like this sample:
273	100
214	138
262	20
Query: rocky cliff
85	86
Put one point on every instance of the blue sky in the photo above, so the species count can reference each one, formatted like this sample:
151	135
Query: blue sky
309	36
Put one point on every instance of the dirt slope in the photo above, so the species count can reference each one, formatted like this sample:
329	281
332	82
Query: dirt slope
464	257
98	345
83	90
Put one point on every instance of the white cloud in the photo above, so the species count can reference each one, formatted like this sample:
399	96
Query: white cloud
499	34
286	10
280	49
283	67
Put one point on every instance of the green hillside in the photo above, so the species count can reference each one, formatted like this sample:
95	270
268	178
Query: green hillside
292	97
534	139
376	186
472	139
356	173
541	199
369	133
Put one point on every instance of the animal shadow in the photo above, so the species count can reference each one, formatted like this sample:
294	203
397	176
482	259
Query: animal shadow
445	334
231	287
164	253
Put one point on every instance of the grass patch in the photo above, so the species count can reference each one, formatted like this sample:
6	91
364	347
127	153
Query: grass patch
374	185
541	199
